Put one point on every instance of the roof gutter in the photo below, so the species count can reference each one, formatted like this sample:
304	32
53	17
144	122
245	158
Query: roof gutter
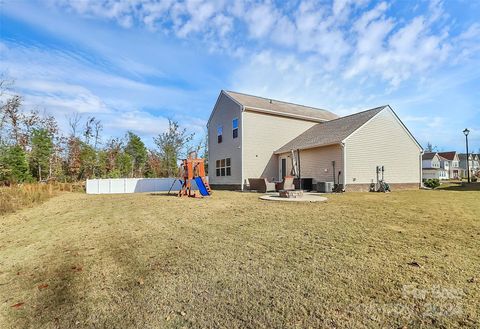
309	147
302	117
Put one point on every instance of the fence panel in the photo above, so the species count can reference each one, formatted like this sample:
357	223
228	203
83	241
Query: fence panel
132	185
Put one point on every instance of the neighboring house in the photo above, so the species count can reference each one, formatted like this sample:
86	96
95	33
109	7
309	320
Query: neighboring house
463	164
454	164
253	137
475	163
434	166
445	166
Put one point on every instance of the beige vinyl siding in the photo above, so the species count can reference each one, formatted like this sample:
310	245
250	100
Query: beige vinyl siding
224	113
263	134
382	141
316	163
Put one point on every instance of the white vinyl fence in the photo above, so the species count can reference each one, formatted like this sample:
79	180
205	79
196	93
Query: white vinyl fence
132	185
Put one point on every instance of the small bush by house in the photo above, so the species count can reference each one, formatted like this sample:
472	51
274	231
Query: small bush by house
432	183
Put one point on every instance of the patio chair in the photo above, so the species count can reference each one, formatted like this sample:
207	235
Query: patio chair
286	184
261	185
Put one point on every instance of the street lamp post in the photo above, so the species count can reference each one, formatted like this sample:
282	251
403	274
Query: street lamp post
466	131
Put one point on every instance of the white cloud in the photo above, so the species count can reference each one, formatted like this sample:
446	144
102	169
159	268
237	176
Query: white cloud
372	44
299	80
260	19
341	9
468	43
344	55
62	97
395	52
369	16
199	12
436	11
137	121
430	122
339	6
62	83
284	32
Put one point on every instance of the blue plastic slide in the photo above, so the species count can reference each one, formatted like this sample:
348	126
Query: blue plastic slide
201	186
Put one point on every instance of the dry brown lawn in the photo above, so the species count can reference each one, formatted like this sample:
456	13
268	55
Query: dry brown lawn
359	260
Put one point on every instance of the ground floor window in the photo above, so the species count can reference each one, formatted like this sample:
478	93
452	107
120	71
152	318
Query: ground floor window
223	167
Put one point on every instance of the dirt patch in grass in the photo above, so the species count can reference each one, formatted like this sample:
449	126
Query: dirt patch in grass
359	260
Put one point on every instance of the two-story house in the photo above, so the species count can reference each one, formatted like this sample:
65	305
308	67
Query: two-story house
433	166
454	164
463	164
445	166
476	163
254	137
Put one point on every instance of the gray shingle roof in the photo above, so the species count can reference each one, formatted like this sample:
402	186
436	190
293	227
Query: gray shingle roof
330	132
463	156
281	108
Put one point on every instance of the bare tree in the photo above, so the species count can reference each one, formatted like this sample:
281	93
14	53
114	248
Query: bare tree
30	121
88	131
3	119
97	129
74	122
12	115
5	84
49	123
431	148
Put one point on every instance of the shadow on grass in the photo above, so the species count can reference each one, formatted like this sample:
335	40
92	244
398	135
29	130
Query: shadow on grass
172	194
461	187
55	294
138	269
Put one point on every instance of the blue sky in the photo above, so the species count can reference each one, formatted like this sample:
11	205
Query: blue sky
134	64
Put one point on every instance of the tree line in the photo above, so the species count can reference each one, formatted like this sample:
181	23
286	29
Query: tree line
33	147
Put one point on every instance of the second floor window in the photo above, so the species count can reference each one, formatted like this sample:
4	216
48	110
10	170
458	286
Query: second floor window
219	134
235	128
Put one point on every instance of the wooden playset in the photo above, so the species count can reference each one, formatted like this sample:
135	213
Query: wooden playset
193	169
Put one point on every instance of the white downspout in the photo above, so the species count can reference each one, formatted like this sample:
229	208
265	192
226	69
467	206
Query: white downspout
421	169
344	165
241	147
